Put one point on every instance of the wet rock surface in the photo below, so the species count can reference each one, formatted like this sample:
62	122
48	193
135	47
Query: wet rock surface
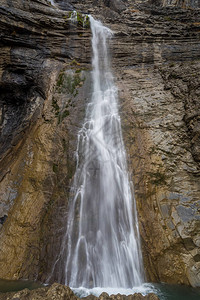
136	296
44	87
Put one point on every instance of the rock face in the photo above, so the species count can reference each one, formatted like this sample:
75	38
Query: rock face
44	88
136	296
54	292
158	82
42	103
61	292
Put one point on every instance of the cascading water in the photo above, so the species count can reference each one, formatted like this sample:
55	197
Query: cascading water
103	248
52	2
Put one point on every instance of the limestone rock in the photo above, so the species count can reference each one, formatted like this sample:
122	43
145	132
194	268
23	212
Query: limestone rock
54	292
136	296
44	88
60	292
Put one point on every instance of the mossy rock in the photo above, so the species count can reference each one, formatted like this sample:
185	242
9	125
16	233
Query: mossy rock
157	178
60	79
69	83
63	115
81	19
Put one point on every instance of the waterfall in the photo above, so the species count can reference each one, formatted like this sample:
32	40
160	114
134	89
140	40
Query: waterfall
103	248
52	2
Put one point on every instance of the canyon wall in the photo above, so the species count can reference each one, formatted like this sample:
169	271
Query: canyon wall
45	85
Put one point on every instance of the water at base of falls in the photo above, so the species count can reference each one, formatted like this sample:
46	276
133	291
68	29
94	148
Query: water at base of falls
102	237
162	290
144	289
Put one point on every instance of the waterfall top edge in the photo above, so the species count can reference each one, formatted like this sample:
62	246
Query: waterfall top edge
99	25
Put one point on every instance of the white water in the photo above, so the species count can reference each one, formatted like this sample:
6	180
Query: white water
52	2
73	17
103	248
144	289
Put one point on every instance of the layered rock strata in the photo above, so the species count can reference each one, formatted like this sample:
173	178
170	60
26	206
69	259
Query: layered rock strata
44	71
45	85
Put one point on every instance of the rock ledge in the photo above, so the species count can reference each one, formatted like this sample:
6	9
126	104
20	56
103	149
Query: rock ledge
60	292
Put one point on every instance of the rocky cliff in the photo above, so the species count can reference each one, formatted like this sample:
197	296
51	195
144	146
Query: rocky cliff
44	88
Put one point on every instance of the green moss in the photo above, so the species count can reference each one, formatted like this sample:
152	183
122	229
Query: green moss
87	22
82	20
157	178
168	18
64	144
55	168
78	71
74	63
55	106
63	115
72	83
67	83
77	80
60	79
